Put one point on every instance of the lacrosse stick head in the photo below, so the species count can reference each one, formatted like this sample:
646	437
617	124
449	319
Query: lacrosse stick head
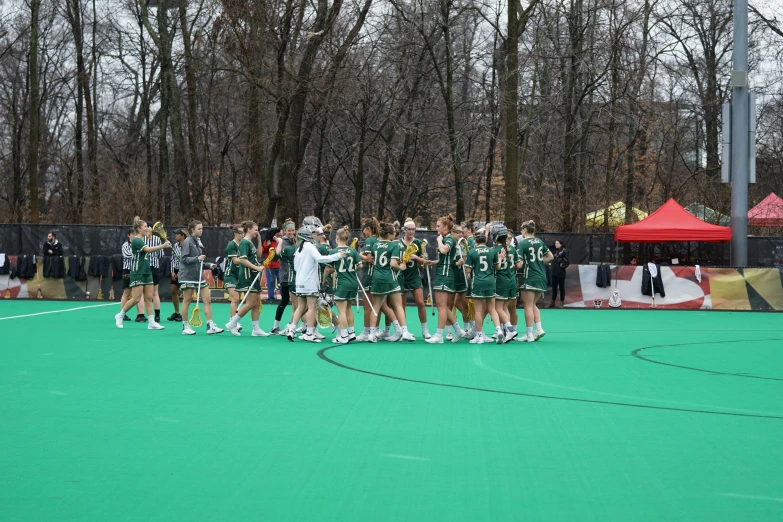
160	231
323	313
615	301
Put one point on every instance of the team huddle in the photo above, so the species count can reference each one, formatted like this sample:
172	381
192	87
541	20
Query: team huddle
470	277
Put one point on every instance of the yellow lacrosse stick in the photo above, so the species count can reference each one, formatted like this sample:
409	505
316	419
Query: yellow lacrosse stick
159	231
195	316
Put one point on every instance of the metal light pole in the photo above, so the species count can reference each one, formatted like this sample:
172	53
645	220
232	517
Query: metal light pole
740	136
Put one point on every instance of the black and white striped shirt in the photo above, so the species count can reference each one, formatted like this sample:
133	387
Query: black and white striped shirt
127	255
176	256
152	241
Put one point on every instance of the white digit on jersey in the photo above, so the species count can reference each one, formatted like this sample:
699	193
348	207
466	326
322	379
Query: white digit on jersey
382	259
483	264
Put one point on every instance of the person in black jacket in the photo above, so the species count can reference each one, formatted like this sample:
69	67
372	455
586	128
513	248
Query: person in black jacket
51	246
558	273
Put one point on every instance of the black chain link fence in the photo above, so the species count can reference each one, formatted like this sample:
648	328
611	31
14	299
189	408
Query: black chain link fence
89	240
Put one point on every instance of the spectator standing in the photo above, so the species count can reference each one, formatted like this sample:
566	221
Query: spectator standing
51	246
273	270
558	273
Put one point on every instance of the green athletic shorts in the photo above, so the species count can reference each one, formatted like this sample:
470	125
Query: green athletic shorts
505	292
483	292
459	280
140	279
444	284
385	288
345	294
534	285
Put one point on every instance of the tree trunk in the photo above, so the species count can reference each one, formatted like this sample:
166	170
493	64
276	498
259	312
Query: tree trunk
511	135
35	109
196	170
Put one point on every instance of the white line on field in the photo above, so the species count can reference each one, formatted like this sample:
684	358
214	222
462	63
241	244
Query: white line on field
57	311
751	497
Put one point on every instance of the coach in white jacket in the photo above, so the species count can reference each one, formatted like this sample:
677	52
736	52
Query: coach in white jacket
306	260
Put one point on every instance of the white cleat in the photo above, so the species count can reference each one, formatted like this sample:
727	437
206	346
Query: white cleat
527	338
372	338
258	332
187	330
310	338
302	329
363	337
470	334
407	336
449	336
213	329
341	339
539	333
152	325
290	332
118	320
396	336
233	329
318	335
351	337
383	336
426	334
478	339
458	336
435	339
510	335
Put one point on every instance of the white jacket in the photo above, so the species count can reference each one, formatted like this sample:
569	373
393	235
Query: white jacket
306	268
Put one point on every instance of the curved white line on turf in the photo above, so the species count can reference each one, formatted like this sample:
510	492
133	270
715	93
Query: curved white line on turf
57	311
478	361
751	497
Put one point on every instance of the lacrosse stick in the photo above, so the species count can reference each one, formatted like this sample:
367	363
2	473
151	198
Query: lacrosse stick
195	316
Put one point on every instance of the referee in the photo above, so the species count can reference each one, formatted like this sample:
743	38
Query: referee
176	256
152	240
127	260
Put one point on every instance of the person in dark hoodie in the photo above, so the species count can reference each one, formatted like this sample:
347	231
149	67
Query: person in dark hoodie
558	272
51	246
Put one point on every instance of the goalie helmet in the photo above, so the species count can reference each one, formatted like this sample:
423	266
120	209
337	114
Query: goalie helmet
307	233
497	231
312	221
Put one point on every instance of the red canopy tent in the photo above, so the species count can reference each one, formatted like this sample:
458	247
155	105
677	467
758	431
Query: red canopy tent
671	222
768	213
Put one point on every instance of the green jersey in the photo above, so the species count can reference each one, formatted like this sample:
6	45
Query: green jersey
446	261
384	252
471	243
232	270
141	261
288	254
369	244
533	251
247	250
507	275
323	249
481	261
345	268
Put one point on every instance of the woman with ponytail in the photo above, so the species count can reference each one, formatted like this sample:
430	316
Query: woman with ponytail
141	275
534	254
248	282
346	286
306	261
444	281
231	277
285	249
411	278
192	281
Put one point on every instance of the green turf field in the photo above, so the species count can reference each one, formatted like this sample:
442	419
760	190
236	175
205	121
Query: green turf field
613	416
